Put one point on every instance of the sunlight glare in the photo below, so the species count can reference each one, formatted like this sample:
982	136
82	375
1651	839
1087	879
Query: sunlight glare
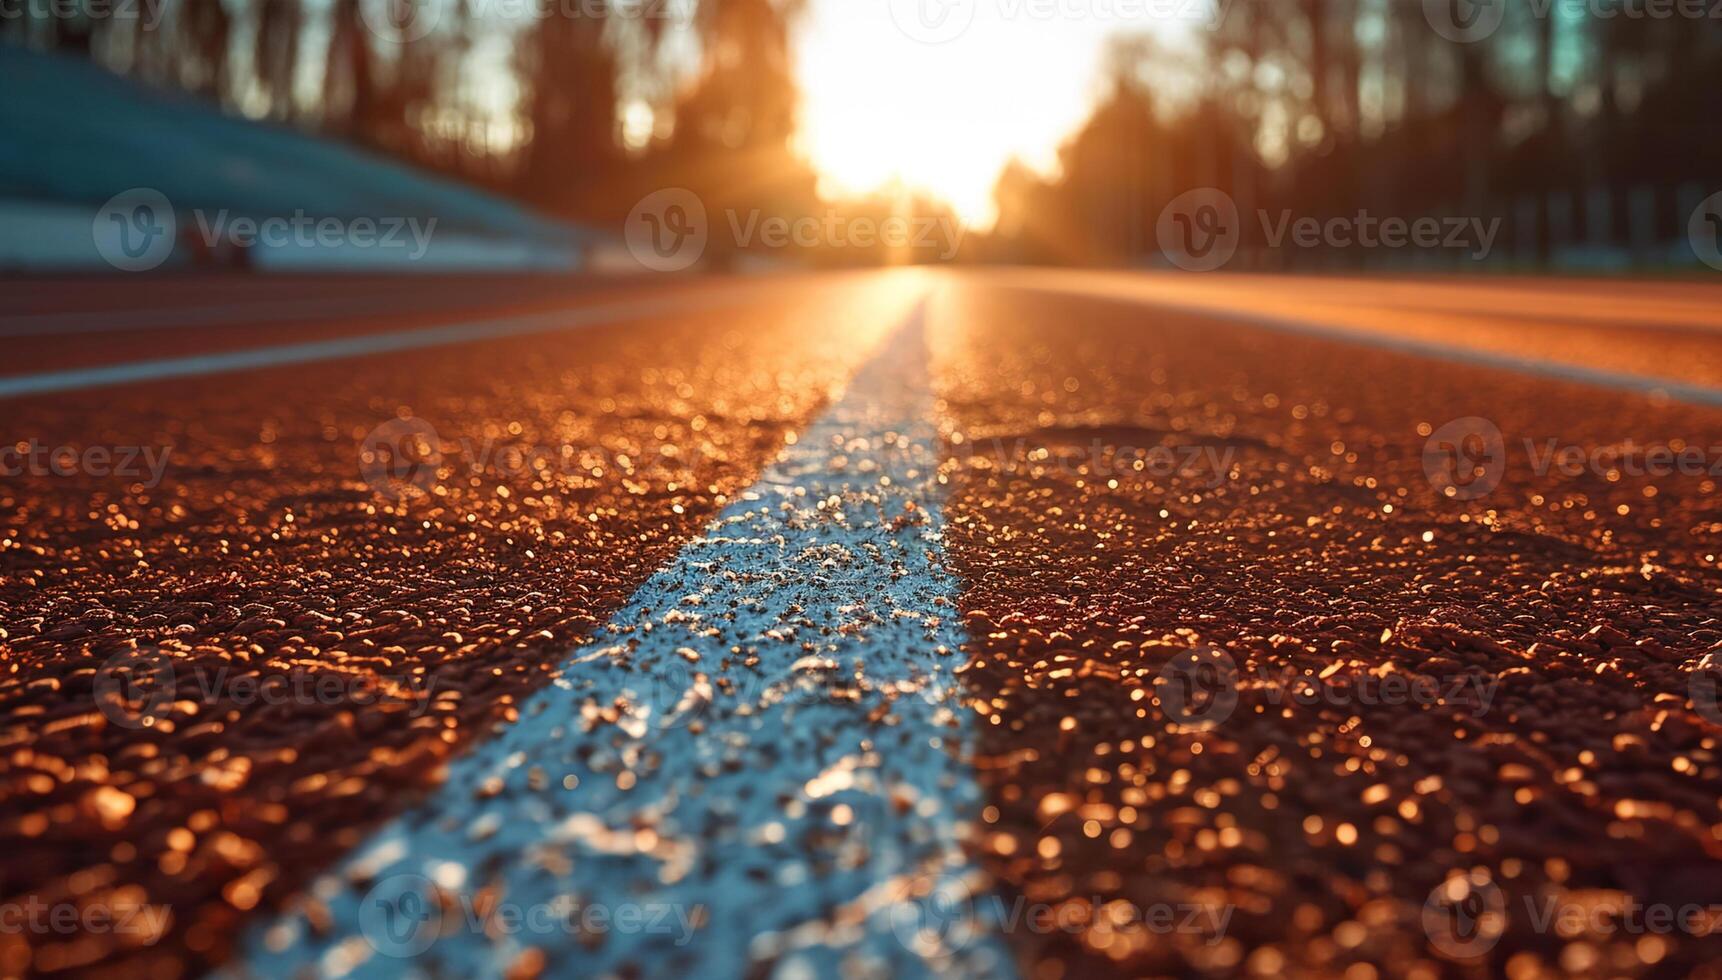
880	109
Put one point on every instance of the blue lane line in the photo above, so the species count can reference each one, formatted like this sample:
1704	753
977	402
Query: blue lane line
1637	384
394	341
755	769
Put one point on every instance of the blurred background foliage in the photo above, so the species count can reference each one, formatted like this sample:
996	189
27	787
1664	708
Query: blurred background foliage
1590	136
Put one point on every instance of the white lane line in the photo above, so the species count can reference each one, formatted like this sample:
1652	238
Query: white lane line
754	770
177	318
280	355
1638	384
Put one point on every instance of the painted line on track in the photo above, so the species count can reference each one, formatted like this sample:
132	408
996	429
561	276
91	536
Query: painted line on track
394	341
756	768
1637	384
179	318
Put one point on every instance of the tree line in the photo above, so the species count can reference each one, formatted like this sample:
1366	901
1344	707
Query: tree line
1590	136
1588	128
578	107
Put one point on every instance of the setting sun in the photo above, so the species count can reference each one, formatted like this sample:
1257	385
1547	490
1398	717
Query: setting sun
881	109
